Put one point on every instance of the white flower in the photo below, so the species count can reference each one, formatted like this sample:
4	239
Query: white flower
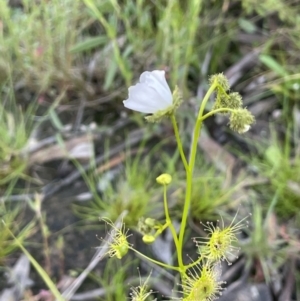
151	94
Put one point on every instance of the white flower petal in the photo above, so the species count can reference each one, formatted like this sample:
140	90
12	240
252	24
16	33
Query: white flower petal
145	94
246	128
157	80
151	94
140	101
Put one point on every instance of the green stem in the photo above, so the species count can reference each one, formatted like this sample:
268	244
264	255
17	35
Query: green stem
189	177
222	110
171	226
179	144
155	261
52	287
194	263
46	244
161	229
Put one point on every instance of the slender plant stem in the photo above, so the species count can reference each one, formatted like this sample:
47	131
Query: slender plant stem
46	278
194	263
46	244
161	229
179	144
189	177
226	110
171	226
155	261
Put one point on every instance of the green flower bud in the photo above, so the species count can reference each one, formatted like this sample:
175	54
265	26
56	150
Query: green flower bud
148	239
221	102
164	179
143	227
230	101
235	101
151	222
221	80
240	120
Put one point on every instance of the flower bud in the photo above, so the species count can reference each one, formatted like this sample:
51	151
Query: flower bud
147	226
221	80
230	101
151	222
240	120
164	179
148	239
235	100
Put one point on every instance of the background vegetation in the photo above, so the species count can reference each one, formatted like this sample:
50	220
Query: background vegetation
70	153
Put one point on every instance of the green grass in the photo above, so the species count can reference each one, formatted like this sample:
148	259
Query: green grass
281	166
210	196
133	190
36	42
40	52
265	246
11	222
15	128
43	274
120	290
65	51
165	38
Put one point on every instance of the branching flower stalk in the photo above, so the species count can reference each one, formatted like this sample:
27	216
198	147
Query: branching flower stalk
189	176
199	279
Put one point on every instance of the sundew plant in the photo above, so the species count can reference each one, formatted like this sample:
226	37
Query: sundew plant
200	279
